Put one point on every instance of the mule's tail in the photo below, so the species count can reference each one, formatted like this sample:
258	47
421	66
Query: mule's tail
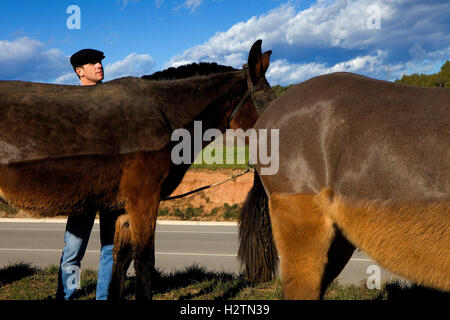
257	251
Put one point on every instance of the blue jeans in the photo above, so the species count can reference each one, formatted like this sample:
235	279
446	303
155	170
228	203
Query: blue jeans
76	239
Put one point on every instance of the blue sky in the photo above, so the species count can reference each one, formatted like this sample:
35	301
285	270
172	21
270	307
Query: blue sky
379	38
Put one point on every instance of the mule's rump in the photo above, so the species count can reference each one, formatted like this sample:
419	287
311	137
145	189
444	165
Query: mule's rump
364	138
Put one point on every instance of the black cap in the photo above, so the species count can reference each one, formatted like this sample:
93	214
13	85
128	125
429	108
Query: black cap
86	56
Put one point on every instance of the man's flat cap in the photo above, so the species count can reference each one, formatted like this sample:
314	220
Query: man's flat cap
86	56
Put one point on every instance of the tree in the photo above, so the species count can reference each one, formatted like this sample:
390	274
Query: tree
440	79
279	90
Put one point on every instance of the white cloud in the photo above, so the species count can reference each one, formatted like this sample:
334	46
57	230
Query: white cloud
67	78
237	40
28	59
132	65
282	71
23	47
333	35
190	5
125	3
427	63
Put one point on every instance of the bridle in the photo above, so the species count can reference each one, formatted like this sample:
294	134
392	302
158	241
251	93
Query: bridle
252	91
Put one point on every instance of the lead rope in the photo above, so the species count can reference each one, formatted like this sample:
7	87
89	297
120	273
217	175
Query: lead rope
232	177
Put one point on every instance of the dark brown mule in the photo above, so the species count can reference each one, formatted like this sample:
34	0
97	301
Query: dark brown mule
363	163
74	150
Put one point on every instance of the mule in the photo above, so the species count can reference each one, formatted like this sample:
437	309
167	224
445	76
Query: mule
76	150
363	163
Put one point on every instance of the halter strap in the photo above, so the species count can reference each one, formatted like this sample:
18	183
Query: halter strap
252	89
236	109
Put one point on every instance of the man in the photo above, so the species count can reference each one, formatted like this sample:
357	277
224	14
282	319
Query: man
87	64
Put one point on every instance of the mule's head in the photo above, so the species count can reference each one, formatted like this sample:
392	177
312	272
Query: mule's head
259	93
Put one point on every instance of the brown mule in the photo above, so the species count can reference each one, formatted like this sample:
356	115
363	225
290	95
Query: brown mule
72	150
363	163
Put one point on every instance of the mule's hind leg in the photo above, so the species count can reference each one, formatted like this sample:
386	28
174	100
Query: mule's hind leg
303	236
140	188
142	212
123	253
142	231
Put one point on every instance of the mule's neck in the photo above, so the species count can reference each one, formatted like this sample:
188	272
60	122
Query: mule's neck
223	94
198	98
216	98
216	115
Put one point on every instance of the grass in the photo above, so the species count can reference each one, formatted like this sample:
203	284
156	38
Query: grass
224	213
204	159
25	282
7	210
231	212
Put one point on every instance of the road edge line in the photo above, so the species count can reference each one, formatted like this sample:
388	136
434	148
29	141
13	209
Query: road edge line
158	222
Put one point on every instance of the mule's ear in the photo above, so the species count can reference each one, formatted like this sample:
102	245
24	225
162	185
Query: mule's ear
255	61
266	61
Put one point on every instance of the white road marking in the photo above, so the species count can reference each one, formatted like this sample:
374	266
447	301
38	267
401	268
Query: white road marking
30	229
157	253
196	254
361	259
41	250
199	232
158	222
97	230
97	251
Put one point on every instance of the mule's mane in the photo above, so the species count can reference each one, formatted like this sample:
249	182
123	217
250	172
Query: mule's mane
190	70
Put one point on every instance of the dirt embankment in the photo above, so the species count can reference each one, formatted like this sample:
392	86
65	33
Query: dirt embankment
230	193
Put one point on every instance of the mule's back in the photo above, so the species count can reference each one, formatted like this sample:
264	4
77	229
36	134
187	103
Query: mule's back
42	121
364	138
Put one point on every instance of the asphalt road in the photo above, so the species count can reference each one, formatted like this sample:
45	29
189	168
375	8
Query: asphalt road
178	245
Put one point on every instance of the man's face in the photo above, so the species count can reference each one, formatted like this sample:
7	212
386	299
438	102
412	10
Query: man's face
90	73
